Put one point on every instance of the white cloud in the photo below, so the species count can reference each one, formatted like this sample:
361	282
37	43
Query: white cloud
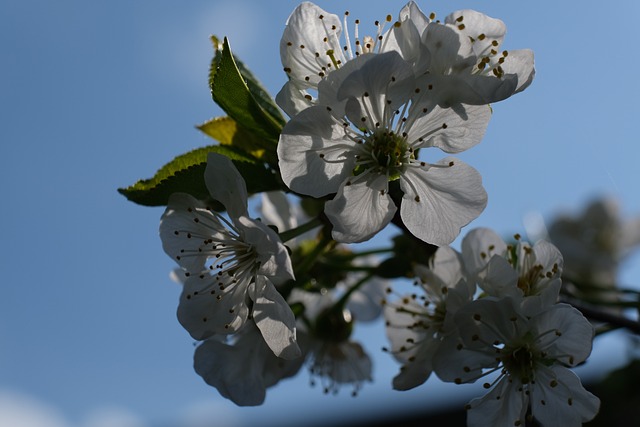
21	410
112	417
209	412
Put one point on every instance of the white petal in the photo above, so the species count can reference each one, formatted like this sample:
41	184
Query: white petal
293	99
360	210
382	83
451	129
207	310
411	12
451	51
235	371
344	363
549	257
566	403
276	322
455	363
504	405
276	210
329	89
445	270
303	49
499	279
178	275
491	321
225	184
304	139
407	37
572	343
184	226
243	369
411	344
475	24
467	88
478	246
418	370
365	303
438	202
456	298
546	294
270	252
520	63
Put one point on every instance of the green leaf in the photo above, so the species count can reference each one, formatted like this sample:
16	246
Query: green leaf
185	174
226	131
241	96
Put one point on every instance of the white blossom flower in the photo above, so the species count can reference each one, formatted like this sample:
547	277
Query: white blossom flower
243	367
232	267
334	359
373	117
520	271
466	63
531	354
417	324
315	43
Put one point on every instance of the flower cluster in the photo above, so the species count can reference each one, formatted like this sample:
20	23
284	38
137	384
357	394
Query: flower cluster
493	308
421	84
374	124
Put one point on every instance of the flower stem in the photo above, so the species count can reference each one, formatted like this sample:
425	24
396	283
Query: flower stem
369	252
609	318
295	232
310	259
342	302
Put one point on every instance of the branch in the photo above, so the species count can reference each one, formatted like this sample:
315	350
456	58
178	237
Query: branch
610	318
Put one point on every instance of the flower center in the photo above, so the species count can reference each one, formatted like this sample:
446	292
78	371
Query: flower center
520	362
388	153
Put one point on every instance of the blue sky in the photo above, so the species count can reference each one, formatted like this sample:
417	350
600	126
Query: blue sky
96	95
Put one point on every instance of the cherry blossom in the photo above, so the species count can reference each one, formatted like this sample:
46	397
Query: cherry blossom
231	266
373	117
530	353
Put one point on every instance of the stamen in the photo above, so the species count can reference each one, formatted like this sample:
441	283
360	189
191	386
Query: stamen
346	35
